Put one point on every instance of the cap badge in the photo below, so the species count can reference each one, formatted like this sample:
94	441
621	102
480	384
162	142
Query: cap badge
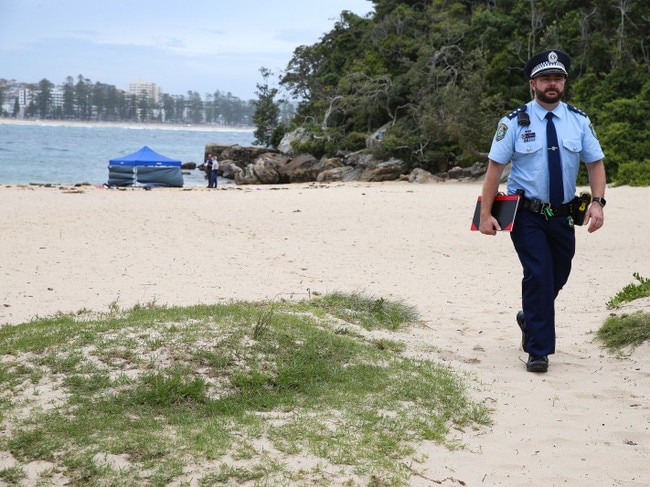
552	57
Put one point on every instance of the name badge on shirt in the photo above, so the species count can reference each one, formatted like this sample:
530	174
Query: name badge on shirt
528	136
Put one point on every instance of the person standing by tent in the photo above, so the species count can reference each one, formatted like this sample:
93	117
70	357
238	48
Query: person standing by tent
208	169
213	172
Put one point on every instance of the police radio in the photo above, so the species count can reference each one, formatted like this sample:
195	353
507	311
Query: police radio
523	118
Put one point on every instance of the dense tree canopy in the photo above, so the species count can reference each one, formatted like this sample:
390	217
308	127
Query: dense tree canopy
438	74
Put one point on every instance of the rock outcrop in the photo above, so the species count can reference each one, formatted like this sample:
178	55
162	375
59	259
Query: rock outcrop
257	165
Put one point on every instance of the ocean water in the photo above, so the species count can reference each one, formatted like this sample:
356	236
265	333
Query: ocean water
71	154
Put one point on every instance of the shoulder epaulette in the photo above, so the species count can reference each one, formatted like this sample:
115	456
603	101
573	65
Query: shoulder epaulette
516	112
576	110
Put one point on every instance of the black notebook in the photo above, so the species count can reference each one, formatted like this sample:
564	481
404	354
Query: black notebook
504	209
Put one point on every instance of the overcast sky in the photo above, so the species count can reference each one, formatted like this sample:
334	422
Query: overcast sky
181	45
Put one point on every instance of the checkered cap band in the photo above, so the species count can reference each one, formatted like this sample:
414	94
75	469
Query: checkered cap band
556	62
546	66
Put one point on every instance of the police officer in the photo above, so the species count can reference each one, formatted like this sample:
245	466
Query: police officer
214	172
208	169
545	140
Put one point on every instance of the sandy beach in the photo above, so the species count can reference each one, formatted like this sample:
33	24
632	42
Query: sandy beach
584	423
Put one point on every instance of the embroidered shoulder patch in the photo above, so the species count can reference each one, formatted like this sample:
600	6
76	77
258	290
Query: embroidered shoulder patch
501	132
593	130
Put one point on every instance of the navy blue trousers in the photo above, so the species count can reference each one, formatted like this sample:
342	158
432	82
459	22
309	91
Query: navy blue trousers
213	179
545	249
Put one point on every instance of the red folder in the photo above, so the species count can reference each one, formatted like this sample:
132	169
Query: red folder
504	209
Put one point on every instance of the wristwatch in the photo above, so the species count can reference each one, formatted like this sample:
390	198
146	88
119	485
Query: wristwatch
601	201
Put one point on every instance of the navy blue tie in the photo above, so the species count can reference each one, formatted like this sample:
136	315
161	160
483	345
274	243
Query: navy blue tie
556	187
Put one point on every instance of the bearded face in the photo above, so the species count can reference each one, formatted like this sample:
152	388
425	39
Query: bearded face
548	88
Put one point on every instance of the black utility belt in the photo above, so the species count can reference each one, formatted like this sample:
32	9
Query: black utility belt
546	209
575	209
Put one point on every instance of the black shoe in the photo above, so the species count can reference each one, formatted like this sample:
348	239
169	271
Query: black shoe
521	321
537	364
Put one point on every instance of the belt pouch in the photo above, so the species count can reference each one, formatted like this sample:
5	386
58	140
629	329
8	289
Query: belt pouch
579	207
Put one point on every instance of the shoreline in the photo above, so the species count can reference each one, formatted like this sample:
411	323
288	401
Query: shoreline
125	125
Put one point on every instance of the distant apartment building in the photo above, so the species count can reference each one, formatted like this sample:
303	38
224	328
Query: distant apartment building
9	100
26	97
140	87
57	97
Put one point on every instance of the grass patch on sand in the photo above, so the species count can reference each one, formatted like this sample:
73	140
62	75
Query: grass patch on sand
631	292
628	330
315	392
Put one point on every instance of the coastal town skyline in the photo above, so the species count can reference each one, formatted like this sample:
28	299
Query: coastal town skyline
199	47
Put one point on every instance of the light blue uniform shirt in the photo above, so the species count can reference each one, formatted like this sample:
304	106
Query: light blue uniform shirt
526	147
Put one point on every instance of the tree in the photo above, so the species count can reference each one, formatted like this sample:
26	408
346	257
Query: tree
195	107
44	97
115	102
179	108
169	108
131	108
68	98
267	111
83	98
144	106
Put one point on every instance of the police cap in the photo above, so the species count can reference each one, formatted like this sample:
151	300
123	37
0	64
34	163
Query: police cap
551	61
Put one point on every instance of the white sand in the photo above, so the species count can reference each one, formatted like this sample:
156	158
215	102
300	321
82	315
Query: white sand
585	422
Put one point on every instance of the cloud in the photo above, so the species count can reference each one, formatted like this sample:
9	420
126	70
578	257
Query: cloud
192	45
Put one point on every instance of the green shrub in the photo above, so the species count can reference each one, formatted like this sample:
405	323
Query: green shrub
634	173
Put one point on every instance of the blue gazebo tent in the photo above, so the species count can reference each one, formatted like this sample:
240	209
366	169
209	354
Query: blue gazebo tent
145	167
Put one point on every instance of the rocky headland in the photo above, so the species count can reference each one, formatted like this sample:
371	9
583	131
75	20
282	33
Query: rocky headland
256	165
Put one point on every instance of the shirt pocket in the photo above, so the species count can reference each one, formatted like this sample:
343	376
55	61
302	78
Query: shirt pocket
572	145
530	148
